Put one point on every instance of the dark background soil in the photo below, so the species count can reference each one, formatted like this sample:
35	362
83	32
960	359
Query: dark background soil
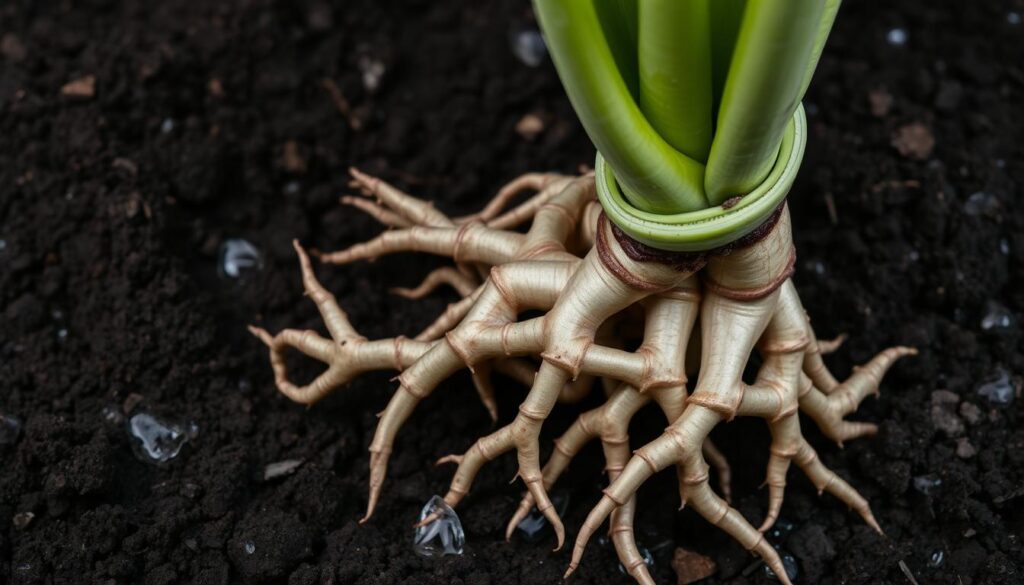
112	209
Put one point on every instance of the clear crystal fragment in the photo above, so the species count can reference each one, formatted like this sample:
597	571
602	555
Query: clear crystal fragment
926	484
896	37
10	428
528	45
996	316
157	440
998	392
788	563
442	536
238	257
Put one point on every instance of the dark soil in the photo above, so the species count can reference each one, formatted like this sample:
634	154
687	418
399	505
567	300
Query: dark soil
112	209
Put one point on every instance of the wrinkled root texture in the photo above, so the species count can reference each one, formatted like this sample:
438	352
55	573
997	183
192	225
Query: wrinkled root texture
571	267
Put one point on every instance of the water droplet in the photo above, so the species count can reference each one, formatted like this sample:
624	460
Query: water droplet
250	547
926	484
23	567
238	258
1000	163
1004	247
896	37
1013	18
62	334
10	428
532	527
292	187
781	529
373	72
788	563
998	392
648	559
167	126
443	536
913	256
936	558
21	520
996	317
528	45
3	244
158	440
982	203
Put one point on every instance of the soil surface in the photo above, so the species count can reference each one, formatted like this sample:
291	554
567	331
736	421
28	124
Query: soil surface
137	137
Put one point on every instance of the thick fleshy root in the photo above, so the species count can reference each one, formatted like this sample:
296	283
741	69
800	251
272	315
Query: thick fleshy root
570	267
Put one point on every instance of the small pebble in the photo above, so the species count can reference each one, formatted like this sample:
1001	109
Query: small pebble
250	547
281	468
81	88
982	203
964	448
443	536
998	392
373	72
880	101
896	37
528	45
291	158
926	484
970	412
914	141
10	429
21	520
691	567
943	413
12	48
167	126
238	258
530	126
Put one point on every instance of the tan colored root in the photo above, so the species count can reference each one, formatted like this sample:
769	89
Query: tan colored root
680	443
378	212
464	285
747	301
347	354
414	211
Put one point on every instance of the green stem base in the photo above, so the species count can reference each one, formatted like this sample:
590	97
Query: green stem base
709	228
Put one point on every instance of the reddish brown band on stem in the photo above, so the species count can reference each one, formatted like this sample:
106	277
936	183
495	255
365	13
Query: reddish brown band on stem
691	261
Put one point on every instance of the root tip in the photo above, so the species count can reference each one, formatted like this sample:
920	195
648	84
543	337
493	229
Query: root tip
261	334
